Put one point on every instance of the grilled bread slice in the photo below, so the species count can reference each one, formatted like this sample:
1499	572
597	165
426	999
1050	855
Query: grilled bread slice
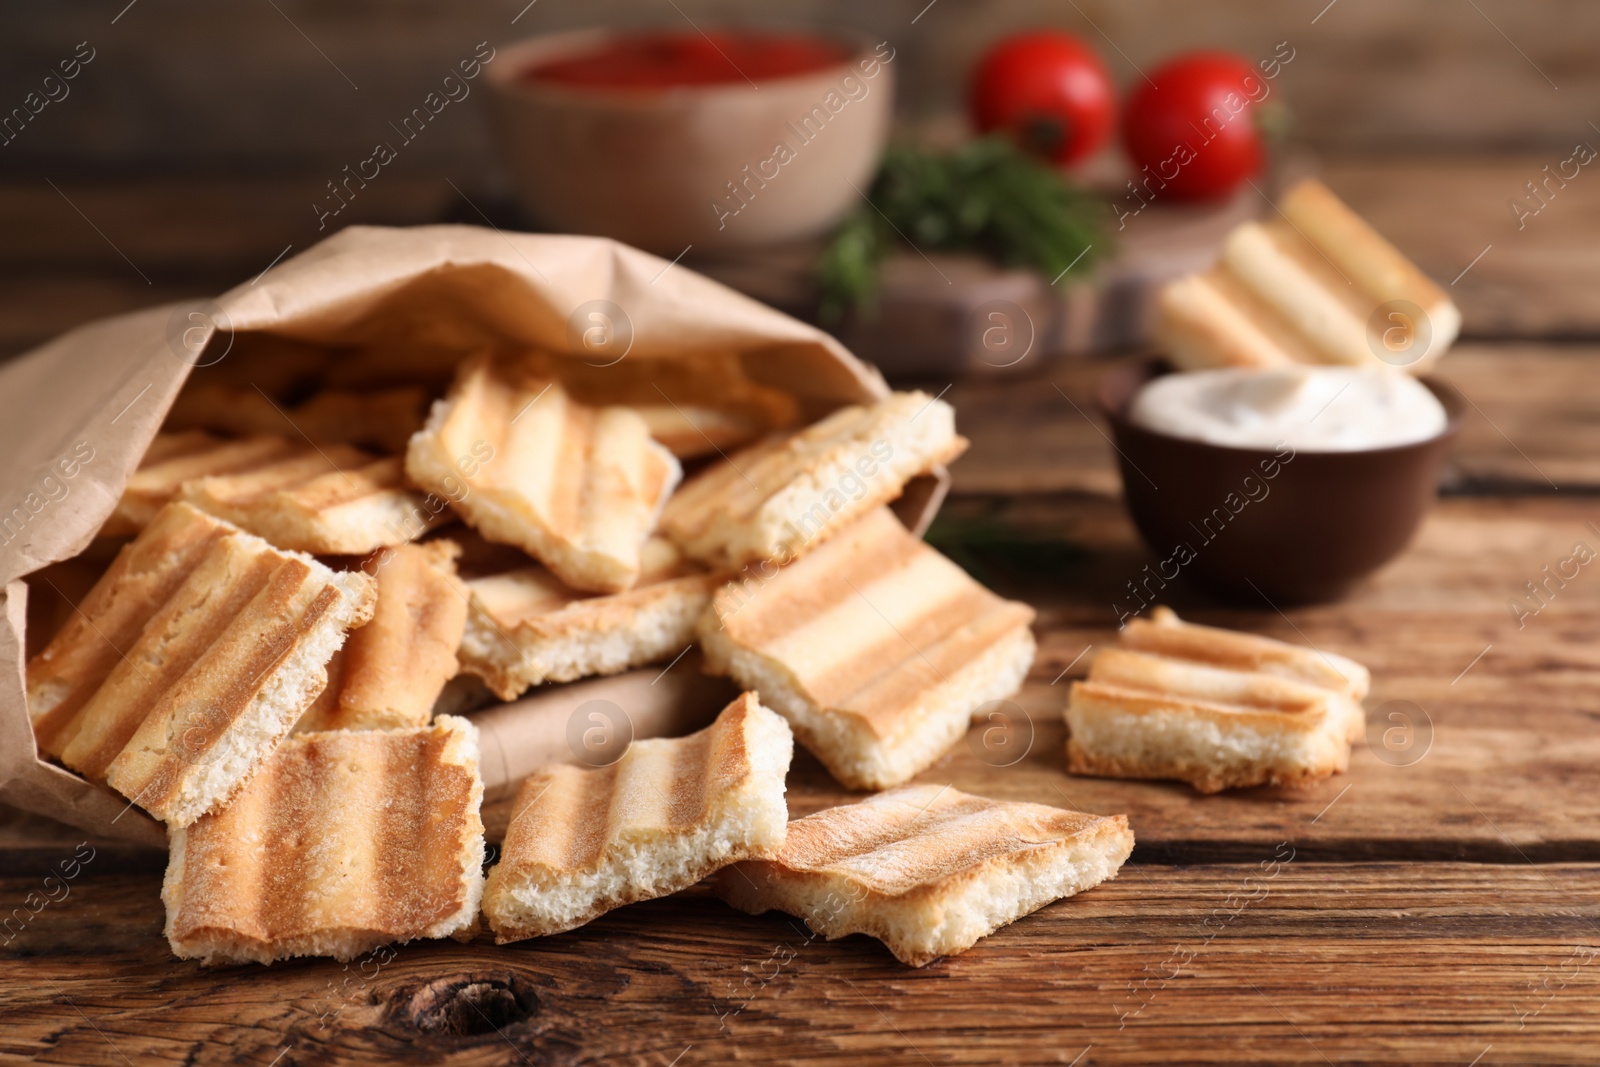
345	841
189	662
780	499
1313	284
383	419
525	627
583	841
175	458
928	870
691	430
577	487
331	500
392	670
875	647
1213	708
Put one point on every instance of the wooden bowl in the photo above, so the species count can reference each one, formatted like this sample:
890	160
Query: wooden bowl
659	169
1250	524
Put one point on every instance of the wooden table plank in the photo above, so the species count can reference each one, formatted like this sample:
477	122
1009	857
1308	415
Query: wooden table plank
1534	426
1262	962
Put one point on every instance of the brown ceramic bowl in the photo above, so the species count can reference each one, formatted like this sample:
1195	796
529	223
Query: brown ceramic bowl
653	168
1250	525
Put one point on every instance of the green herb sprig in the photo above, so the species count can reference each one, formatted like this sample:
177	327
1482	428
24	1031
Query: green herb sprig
986	197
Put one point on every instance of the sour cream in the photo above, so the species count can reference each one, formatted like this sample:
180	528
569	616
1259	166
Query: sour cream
1312	409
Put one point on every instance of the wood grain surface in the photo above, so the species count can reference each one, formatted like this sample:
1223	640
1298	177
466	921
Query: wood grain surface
1258	962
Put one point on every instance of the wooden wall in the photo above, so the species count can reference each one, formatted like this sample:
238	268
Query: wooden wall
273	86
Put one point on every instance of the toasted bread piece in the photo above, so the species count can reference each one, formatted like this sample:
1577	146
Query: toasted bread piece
392	670
344	841
713	390
782	498
189	661
691	430
332	500
928	870
525	627
578	488
667	814
175	458
1216	709
1163	633
383	419
875	647
1304	287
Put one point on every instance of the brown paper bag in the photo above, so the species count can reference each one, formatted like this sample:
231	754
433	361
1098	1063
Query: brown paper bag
374	304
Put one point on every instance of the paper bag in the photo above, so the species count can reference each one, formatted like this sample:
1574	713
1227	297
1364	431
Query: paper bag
369	304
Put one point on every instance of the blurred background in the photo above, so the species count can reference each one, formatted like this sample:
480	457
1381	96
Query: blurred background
188	153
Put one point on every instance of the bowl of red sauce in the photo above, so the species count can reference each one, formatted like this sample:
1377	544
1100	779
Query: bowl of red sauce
666	139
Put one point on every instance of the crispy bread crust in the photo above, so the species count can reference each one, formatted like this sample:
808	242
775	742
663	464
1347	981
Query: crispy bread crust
346	841
785	496
875	647
667	814
1215	709
928	870
196	653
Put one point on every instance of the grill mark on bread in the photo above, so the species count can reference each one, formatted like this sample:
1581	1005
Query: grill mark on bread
668	813
691	770
391	670
1213	708
1133	699
860	556
1278	332
394	837
167	647
202	618
876	649
1295	247
348	484
1165	634
256	484
939	657
332	500
218	688
575	499
1297	288
173	459
85	652
926	869
903	660
1219	688
453	782
828	623
344	841
525	627
566	816
786	495
576	487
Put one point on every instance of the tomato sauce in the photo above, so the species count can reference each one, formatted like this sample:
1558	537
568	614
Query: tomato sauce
657	60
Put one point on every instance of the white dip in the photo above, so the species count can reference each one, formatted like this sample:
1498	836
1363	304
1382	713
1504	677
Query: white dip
1313	409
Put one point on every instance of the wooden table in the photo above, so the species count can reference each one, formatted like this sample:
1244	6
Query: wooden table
1436	905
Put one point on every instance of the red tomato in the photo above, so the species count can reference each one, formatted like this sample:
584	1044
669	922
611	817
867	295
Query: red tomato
1195	126
1046	89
